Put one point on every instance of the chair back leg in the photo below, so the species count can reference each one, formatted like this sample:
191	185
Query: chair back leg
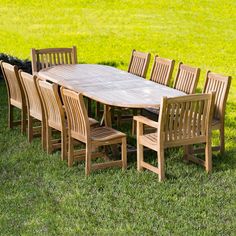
208	156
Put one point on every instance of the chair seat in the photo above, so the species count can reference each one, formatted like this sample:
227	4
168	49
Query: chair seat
105	133
149	140
93	122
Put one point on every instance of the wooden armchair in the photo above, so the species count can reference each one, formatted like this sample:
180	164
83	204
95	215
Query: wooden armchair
34	106
16	96
220	85
54	116
183	121
186	81
79	129
44	58
187	78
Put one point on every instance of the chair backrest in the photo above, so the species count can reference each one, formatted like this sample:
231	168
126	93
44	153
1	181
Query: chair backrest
78	122
162	70
14	88
44	58
185	119
220	85
34	105
187	78
52	105
139	63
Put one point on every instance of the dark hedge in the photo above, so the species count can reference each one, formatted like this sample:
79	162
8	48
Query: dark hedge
25	65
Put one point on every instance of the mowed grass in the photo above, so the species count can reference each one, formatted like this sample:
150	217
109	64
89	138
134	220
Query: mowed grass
40	195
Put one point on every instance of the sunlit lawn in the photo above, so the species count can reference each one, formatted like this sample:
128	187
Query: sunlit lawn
39	194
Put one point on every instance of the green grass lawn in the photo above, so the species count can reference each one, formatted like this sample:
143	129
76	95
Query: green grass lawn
40	195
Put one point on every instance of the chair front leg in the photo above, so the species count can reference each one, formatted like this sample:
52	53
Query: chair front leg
208	156
43	135
124	153
161	164
139	156
139	146
88	159
49	139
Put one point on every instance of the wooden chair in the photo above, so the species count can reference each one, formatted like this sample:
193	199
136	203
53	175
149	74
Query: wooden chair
44	58
162	70
139	63
184	120
186	81
220	85
34	106
54	116
161	73
16	96
187	78
79	129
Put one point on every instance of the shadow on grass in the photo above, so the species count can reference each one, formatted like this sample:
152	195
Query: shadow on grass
107	63
111	63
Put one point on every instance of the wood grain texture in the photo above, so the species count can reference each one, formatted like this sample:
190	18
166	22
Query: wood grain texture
162	70
54	116
161	73
220	84
139	63
93	137
109	85
187	78
47	57
16	96
34	105
183	121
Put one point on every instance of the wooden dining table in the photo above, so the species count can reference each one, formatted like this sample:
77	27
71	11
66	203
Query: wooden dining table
109	85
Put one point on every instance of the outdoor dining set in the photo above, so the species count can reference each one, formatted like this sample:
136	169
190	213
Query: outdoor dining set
62	94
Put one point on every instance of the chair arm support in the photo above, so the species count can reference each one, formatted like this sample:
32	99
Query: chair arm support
146	121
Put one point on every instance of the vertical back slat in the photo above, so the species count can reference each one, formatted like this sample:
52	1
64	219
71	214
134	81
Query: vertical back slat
32	96
44	58
186	78
220	85
52	104
139	63
162	70
14	84
186	117
76	112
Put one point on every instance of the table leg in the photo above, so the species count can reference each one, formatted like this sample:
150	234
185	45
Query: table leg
108	122
107	116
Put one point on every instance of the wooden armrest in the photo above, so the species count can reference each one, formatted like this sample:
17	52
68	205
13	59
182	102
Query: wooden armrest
146	121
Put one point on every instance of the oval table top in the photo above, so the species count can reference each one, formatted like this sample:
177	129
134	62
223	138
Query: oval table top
109	85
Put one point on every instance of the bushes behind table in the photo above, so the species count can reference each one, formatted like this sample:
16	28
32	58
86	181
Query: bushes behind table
25	65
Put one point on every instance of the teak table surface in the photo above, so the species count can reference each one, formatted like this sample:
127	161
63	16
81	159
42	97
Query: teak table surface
109	85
